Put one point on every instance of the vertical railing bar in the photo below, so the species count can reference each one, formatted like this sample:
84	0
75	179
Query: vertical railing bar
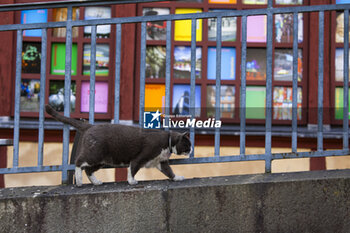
92	75
17	97
218	84
269	4
167	70
142	72
295	83
268	120
243	87
42	96
320	82
346	82
117	74
193	81
67	93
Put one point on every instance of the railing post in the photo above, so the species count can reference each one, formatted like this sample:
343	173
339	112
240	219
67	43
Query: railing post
268	120
17	97
42	97
295	84
193	81
117	73
243	87
320	81
92	75
142	73
346	82
67	93
167	70
218	84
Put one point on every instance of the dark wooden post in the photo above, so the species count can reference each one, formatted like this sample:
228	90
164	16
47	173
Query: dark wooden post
3	163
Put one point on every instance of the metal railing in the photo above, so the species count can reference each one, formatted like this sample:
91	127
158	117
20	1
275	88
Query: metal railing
268	156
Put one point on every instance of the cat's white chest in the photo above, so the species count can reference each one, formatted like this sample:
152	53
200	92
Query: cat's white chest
163	156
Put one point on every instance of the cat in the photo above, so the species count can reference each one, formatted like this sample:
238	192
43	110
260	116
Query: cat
115	144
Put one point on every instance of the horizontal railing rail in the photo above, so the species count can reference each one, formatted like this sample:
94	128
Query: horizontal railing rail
206	15
65	4
268	156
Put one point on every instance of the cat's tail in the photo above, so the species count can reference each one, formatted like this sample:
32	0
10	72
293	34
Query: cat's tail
79	125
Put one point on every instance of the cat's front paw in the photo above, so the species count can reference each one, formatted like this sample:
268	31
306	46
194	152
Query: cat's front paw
97	182
78	184
178	178
132	181
94	180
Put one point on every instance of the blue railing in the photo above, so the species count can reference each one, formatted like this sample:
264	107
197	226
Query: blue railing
268	156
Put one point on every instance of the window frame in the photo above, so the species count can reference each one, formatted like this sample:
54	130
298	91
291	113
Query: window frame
79	78
333	83
205	44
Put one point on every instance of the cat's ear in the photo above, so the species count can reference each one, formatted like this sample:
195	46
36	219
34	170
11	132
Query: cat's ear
186	134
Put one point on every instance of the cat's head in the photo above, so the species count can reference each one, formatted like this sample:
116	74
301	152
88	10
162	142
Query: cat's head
182	145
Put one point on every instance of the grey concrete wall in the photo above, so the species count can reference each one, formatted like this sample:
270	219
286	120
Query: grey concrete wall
294	202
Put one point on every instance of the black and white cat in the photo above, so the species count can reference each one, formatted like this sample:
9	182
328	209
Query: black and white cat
113	144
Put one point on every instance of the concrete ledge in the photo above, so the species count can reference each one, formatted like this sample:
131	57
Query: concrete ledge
293	202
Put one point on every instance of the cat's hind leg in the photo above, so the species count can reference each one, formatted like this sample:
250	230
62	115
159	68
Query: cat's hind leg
78	176
90	174
132	170
78	173
131	179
